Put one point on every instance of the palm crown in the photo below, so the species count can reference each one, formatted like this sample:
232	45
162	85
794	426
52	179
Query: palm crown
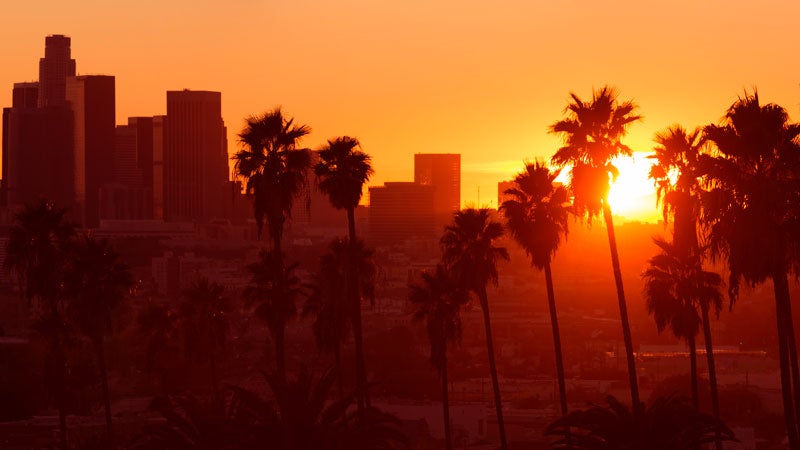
342	171
274	168
753	187
537	212
468	246
592	135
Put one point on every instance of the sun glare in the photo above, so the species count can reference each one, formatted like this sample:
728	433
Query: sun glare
633	195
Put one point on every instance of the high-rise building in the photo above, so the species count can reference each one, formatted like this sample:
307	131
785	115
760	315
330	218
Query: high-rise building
159	141
91	99
399	211
195	156
443	172
54	69
37	146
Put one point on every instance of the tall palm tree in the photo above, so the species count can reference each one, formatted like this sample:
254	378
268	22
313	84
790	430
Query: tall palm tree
156	325
678	189
342	171
437	299
97	283
537	214
469	251
37	254
274	291
592	134
275	169
328	301
752	215
675	287
205	312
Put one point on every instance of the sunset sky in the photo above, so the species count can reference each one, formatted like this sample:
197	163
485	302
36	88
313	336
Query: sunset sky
477	78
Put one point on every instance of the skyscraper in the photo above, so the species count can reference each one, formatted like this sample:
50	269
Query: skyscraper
195	156
54	69
443	172
399	211
92	102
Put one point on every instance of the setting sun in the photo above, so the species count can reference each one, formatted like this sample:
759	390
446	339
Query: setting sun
633	195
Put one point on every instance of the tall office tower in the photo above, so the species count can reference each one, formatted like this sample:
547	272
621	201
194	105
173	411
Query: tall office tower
195	156
37	150
92	102
400	211
159	124
443	172
54	69
131	194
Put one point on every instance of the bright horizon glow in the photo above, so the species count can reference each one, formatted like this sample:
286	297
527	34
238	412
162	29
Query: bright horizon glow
632	195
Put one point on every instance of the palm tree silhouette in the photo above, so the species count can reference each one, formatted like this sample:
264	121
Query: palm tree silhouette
437	299
677	179
669	423
752	217
592	134
274	290
675	287
37	254
275	169
97	283
204	313
328	300
156	324
470	253
342	171
537	215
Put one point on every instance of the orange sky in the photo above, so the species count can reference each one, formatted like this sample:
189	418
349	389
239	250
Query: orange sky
423	76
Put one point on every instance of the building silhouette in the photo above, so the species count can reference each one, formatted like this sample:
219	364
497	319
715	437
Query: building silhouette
502	187
442	171
399	211
195	164
91	99
54	69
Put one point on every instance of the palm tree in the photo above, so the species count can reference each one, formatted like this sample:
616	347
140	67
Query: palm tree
592	135
438	300
342	171
37	253
677	179
274	290
205	312
677	182
469	251
669	423
97	284
537	215
675	287
752	217
275	169
328	301
156	325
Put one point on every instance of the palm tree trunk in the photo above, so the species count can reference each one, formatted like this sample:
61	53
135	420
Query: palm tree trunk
355	301
498	404
214	376
61	395
781	288
790	338
280	352
693	371
551	303
712	367
337	360
101	362
623	307
448	444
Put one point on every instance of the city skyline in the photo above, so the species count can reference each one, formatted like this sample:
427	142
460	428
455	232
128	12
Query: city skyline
477	80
